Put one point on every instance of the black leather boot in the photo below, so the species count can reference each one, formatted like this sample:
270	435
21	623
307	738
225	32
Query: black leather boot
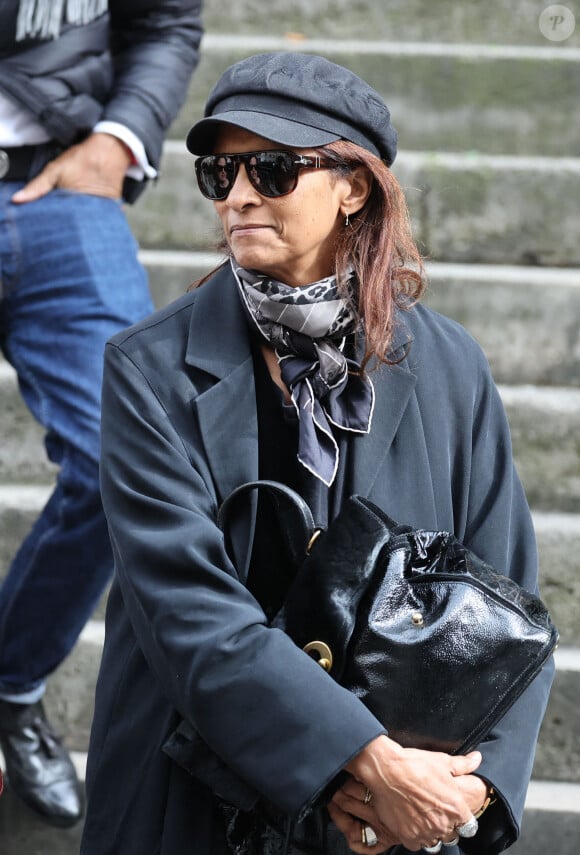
38	768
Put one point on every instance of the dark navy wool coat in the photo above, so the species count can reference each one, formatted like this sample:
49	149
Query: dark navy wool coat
187	649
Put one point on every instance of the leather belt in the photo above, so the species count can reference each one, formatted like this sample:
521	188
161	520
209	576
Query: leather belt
23	162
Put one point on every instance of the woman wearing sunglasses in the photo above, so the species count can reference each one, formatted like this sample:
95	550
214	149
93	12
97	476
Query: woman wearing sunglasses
304	358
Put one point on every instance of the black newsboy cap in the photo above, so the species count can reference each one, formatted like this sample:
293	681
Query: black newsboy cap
296	99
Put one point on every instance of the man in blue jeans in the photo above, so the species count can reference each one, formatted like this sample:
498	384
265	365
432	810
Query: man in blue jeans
87	93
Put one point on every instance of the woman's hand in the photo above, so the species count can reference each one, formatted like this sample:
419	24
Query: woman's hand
352	828
417	799
474	789
96	166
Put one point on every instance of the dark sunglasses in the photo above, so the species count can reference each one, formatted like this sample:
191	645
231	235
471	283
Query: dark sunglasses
271	173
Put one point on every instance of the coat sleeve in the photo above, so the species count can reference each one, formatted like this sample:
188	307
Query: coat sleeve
499	529
155	46
264	707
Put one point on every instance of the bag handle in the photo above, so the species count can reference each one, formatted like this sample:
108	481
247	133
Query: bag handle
294	515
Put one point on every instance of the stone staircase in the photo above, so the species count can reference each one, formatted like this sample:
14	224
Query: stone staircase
489	127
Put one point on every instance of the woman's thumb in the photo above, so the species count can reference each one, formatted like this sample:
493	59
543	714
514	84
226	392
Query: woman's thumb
465	765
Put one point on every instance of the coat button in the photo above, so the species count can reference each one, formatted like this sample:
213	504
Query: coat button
321	652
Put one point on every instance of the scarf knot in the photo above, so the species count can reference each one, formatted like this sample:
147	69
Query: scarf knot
307	326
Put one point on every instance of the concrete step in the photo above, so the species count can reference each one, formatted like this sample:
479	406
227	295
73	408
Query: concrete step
465	207
551	820
545	428
527	319
545	423
442	96
70	703
70	698
558	536
22	457
551	823
527	336
513	23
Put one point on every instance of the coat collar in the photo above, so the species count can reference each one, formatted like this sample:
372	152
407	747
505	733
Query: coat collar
219	344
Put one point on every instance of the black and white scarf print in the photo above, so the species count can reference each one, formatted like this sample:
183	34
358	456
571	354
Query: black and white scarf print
307	327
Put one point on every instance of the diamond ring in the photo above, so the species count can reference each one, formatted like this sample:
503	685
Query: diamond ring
469	828
369	838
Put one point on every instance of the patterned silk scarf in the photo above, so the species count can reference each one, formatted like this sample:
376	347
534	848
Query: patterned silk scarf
307	327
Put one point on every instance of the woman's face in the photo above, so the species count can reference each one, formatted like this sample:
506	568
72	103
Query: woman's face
291	238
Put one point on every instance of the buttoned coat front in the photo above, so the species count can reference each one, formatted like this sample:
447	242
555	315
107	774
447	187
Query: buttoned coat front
187	649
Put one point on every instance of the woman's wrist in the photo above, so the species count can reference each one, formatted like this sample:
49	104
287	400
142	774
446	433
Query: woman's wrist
490	798
365	764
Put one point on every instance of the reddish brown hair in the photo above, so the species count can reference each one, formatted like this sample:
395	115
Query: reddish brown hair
379	247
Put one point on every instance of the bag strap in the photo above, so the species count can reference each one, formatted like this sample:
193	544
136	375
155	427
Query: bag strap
295	517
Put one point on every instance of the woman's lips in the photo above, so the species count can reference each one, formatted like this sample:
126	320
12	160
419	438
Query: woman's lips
248	227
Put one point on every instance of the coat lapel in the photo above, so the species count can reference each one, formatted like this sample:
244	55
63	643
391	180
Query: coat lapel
393	385
219	345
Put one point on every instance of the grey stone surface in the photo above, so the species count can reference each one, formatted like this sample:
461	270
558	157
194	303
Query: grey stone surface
22	455
527	319
439	100
558	537
545	426
70	690
19	507
22	833
558	752
498	22
464	208
543	831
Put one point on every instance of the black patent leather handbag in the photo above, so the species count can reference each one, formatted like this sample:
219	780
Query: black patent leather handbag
435	642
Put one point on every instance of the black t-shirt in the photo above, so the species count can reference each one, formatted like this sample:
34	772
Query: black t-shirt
271	570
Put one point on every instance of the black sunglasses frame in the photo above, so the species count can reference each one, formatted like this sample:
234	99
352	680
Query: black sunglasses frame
296	162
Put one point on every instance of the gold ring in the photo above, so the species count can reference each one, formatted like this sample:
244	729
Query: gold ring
368	797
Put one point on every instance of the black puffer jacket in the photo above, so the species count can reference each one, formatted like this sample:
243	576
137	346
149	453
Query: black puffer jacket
131	65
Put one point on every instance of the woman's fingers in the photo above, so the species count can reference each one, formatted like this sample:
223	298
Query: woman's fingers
465	764
360	836
415	794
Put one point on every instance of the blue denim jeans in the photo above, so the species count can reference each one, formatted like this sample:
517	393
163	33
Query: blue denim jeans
69	279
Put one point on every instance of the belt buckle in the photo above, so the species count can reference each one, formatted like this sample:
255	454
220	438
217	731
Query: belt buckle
4	163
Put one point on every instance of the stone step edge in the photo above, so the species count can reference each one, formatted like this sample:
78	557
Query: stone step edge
257	43
512	274
513	393
566	657
33	497
562	399
454	160
549	796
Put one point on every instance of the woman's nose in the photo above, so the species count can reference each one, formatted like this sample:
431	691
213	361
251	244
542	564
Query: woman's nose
242	191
